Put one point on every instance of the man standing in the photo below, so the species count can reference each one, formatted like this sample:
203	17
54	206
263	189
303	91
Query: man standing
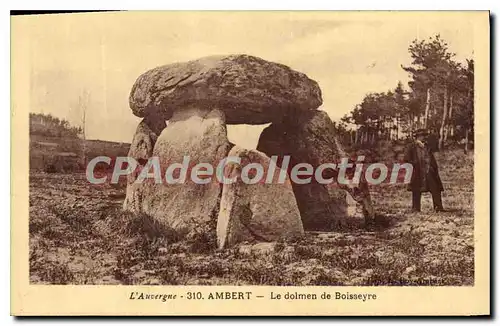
425	171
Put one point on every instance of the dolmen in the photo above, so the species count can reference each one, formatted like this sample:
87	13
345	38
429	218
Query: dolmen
185	109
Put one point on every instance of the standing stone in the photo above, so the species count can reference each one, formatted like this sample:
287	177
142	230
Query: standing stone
256	212
309	137
247	89
198	135
141	149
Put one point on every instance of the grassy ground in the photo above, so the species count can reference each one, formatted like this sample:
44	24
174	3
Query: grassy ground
79	235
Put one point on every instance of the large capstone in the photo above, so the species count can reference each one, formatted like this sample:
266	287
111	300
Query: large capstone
252	209
193	136
309	137
249	90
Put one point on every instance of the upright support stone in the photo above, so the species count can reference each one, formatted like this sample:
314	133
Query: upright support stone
141	149
309	137
184	203
261	211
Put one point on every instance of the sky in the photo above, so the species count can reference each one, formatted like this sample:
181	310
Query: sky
102	54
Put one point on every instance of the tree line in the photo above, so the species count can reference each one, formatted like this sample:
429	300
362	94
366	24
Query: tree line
439	97
48	125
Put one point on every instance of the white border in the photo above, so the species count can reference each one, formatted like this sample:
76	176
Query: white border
186	5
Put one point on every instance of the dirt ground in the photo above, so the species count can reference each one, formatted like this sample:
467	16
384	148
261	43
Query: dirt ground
79	235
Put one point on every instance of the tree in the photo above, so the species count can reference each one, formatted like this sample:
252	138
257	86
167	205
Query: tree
83	103
465	116
48	125
430	58
440	98
402	109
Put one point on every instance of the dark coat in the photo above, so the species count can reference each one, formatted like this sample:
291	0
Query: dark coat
425	170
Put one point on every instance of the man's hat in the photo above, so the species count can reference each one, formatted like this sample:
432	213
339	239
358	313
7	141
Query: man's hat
420	132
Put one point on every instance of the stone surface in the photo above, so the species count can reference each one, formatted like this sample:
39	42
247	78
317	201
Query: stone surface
247	89
256	212
188	206
141	149
309	137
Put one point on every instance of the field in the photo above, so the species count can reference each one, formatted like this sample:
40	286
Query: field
64	154
79	235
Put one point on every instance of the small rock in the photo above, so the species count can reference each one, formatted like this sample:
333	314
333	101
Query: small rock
163	250
367	273
109	280
436	263
338	274
398	255
153	281
410	269
357	281
423	242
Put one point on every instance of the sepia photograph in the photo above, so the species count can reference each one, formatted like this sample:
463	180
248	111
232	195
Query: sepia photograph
313	150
